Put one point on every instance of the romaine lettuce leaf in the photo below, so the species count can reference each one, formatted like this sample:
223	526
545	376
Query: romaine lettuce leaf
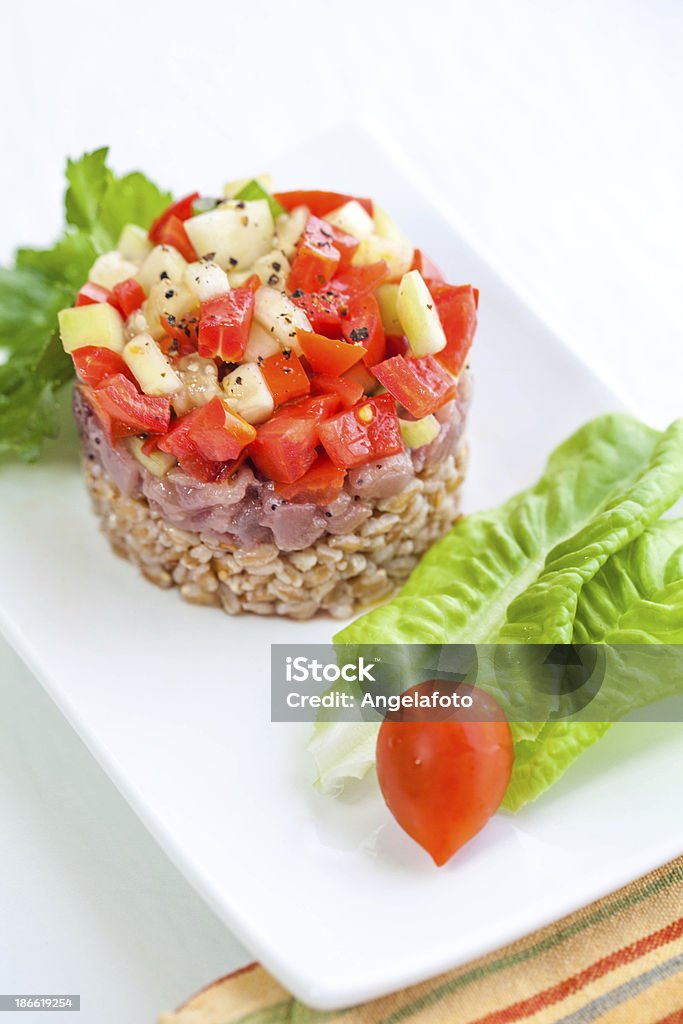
577	532
461	591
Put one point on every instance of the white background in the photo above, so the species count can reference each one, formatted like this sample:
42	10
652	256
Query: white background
552	130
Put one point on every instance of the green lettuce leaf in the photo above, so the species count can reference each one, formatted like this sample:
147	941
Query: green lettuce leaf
33	367
519	573
254	190
464	585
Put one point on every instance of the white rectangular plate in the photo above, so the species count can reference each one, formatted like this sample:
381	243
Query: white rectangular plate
174	700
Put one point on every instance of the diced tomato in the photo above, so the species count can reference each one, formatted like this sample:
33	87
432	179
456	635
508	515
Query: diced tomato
321	312
361	374
320	484
355	283
254	282
457	309
173	233
368	431
327	355
285	445
129	296
428	269
364	326
421	385
285	377
319	203
348	391
90	293
183	335
219	433
345	244
181	210
397	345
207	438
95	365
123	410
316	258
225	323
177	442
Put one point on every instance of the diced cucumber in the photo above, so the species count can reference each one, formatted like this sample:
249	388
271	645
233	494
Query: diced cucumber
206	280
276	312
417	433
164	263
150	367
135	324
272	269
419	318
133	243
235	233
397	255
166	298
352	219
158	463
386	227
289	228
96	324
231	188
111	269
387	297
261	344
247	393
255	190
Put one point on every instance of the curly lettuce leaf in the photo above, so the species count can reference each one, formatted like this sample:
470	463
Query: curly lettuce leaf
33	367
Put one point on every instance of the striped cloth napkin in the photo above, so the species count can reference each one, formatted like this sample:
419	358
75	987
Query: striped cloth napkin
616	961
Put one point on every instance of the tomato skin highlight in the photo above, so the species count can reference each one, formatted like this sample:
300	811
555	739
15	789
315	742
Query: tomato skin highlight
124	411
321	483
422	386
285	377
328	355
457	309
95	365
224	325
319	203
366	432
443	777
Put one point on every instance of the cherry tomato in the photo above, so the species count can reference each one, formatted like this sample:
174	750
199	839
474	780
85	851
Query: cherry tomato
443	773
285	445
224	325
129	296
348	391
316	258
123	410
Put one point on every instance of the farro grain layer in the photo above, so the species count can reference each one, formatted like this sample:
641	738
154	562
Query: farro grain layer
338	573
